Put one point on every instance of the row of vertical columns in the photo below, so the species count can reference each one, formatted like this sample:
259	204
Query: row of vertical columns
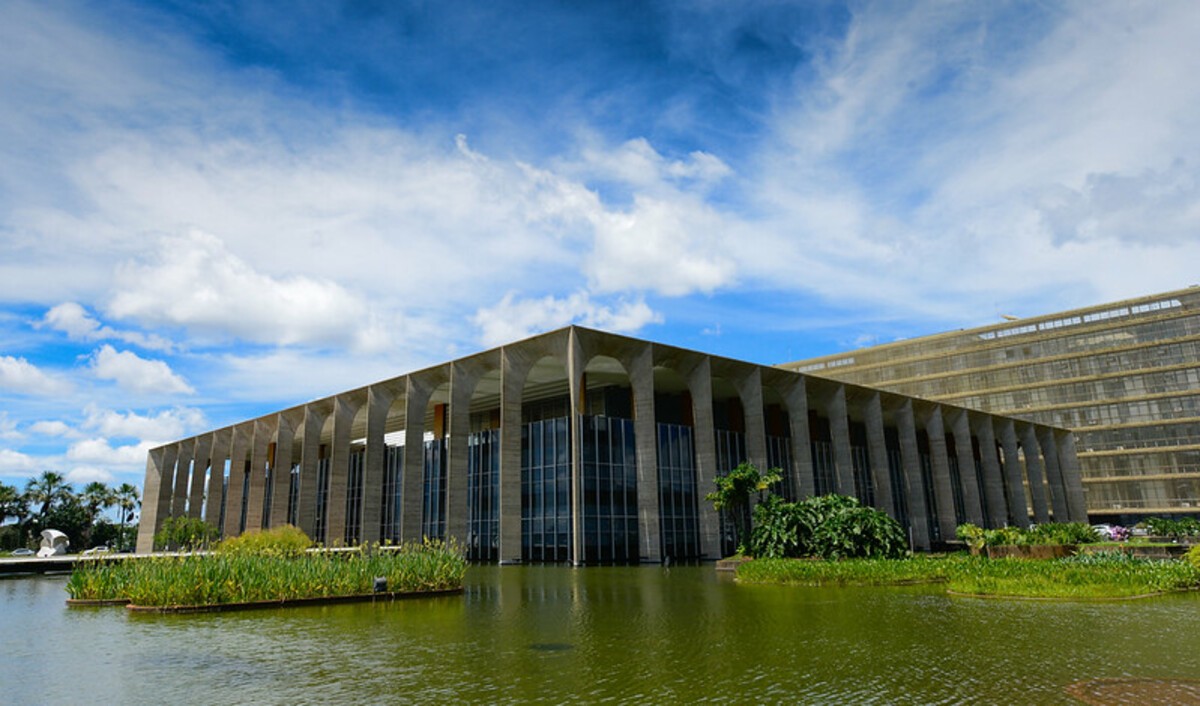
1034	471
183	462
1018	510
281	469
379	401
202	459
218	455
416	400
796	397
1058	490
310	462
237	473
839	429
462	387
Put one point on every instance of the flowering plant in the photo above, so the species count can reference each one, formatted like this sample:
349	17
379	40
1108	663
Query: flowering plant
1119	533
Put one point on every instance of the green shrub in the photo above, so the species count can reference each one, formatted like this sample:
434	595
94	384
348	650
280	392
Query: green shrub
1193	556
285	540
828	526
1061	533
732	497
1164	527
185	534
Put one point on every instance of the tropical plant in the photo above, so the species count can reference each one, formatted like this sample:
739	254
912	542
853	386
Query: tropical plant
46	490
97	497
127	503
733	494
185	534
828	526
12	504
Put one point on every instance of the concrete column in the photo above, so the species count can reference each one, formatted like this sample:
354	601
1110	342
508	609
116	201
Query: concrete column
281	466
700	383
993	482
1068	462
914	487
1035	474
200	463
344	409
416	401
575	389
943	491
513	370
1018	509
881	475
463	380
645	429
796	397
315	415
750	392
237	473
839	431
967	478
379	401
216	477
156	498
1058	490
260	446
183	467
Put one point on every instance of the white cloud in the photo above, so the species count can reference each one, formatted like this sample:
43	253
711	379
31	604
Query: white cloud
15	463
165	425
513	318
87	474
100	451
75	321
51	428
137	374
19	375
8	427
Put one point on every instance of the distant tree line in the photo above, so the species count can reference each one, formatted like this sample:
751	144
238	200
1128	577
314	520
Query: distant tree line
50	502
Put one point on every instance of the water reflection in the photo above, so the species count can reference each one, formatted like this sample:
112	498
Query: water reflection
554	634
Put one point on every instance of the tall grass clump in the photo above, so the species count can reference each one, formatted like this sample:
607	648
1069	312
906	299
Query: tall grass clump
243	576
286	540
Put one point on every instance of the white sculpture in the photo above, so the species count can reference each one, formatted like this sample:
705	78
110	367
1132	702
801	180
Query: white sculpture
54	543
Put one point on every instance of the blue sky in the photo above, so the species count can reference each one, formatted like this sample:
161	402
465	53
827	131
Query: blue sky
211	211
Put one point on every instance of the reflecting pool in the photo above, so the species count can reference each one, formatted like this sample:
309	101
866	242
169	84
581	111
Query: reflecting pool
554	634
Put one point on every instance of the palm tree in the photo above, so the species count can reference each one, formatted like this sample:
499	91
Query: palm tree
97	497
12	504
47	489
127	500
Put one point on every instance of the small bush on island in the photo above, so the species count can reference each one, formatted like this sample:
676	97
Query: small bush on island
246	577
827	526
286	540
732	497
1050	533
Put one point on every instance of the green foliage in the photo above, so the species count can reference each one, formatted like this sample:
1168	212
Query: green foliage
1193	556
1175	528
733	493
1113	575
242	577
185	534
828	526
1055	533
285	540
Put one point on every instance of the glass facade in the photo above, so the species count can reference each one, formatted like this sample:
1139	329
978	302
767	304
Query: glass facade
354	497
546	490
779	455
393	479
609	503
322	500
677	496
483	495
433	497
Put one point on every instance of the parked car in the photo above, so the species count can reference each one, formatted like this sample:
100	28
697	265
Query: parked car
1105	531
23	551
96	550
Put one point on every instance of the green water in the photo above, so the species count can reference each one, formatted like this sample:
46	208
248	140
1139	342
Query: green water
554	635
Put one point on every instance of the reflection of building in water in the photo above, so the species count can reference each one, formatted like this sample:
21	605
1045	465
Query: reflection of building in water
1125	377
613	444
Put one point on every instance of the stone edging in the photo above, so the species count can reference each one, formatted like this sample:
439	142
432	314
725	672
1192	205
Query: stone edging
318	600
96	602
960	594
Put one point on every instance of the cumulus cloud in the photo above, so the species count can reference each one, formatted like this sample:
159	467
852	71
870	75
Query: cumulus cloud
165	425
195	282
15	463
21	376
100	451
51	428
137	374
79	325
514	318
87	474
8	427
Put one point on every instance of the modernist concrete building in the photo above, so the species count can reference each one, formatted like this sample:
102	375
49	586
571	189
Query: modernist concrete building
1125	377
585	447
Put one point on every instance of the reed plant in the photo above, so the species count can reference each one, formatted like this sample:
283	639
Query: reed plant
243	577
